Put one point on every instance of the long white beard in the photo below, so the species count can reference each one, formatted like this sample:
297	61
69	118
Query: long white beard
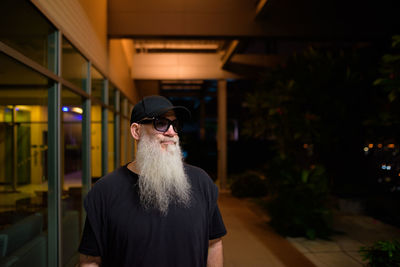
162	179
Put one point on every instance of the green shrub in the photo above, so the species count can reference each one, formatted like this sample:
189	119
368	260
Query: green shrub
248	184
298	206
382	253
300	212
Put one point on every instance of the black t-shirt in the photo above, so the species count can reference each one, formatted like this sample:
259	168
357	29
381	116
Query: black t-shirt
119	230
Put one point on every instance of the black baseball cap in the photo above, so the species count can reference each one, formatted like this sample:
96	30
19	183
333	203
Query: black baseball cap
154	106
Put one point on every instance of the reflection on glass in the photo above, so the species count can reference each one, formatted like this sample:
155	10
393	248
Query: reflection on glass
97	83
95	133
123	104
30	33
23	163
111	150
124	141
111	95
74	65
71	128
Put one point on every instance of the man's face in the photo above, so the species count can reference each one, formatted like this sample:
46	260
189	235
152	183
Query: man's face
168	138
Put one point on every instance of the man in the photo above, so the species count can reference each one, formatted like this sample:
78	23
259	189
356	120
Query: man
156	210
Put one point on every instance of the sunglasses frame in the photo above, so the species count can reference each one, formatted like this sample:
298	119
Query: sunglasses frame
153	120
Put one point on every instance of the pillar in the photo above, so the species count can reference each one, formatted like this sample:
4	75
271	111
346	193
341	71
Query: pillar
222	133
202	115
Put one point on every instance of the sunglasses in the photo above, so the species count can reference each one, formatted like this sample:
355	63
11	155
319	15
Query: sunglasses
163	124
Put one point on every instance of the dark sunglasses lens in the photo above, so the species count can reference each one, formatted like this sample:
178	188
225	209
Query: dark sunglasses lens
161	125
177	126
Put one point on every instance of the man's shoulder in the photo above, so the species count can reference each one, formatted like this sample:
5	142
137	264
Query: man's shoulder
194	170
197	174
113	179
111	187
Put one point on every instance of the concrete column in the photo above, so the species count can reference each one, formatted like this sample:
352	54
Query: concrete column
202	115
222	133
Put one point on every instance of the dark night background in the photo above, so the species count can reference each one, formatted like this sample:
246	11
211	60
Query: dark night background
331	101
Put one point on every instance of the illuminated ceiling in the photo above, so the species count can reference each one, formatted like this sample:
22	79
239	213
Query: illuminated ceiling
224	39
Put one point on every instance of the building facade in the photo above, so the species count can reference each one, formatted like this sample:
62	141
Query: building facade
65	97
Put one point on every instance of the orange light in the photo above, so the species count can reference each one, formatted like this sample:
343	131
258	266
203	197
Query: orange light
305	145
390	145
380	145
370	145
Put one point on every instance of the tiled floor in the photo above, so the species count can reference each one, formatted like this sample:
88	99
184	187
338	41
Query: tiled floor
250	242
341	251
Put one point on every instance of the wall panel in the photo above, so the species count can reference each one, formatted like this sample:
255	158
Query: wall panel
120	70
70	17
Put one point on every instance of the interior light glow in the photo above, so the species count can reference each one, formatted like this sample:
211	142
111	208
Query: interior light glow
379	145
390	145
22	107
366	149
77	110
388	167
370	145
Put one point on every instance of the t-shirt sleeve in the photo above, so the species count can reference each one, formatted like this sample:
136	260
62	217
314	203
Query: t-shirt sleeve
88	244
217	227
93	234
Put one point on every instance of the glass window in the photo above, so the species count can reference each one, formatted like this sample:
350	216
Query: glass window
29	32
111	146
123	105
23	159
97	83
124	129
111	95
74	65
95	131
71	140
124	135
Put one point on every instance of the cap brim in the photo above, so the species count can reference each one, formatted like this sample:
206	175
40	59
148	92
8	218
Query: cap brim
181	112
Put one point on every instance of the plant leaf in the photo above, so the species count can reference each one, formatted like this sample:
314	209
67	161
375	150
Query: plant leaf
304	176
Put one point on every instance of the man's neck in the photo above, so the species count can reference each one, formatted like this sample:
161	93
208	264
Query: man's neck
132	167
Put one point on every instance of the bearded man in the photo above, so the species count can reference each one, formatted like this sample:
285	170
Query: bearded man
156	210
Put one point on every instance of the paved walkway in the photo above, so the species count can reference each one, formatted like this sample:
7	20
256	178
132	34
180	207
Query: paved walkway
343	249
251	242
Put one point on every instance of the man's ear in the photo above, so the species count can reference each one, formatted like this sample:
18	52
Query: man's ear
135	131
